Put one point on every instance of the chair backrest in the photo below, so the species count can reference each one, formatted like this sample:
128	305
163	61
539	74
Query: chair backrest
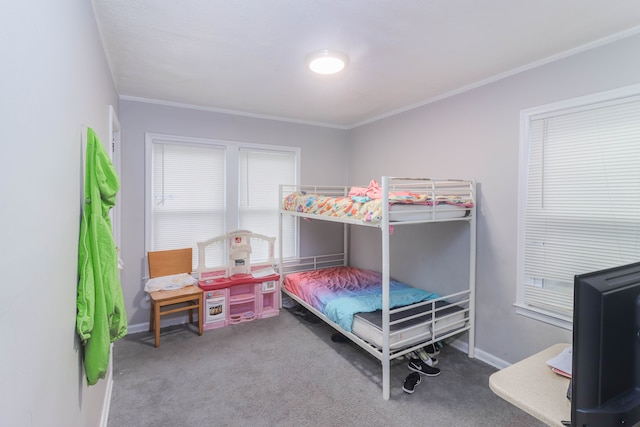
166	263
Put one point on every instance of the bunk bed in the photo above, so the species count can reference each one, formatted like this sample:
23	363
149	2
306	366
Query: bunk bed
389	325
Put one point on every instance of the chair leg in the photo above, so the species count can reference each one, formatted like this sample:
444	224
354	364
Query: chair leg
200	313
151	318
156	312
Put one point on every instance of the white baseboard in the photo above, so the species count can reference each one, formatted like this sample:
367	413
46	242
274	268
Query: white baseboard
481	355
104	419
492	360
144	327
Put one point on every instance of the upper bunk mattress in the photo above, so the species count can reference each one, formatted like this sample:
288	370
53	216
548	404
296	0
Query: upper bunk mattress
365	204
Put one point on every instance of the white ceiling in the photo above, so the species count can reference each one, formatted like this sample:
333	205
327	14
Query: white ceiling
247	56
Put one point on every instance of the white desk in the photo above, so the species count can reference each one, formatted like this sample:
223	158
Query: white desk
533	387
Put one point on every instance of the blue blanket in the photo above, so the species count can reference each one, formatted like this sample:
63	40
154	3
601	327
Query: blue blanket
342	309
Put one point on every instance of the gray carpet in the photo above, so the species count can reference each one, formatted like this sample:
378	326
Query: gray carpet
286	371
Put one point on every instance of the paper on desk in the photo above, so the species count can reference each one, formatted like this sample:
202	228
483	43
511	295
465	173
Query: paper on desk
562	361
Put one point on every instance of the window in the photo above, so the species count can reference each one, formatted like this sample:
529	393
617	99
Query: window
198	189
261	171
579	207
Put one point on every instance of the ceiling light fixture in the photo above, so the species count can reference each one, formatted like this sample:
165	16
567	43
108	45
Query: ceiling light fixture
327	62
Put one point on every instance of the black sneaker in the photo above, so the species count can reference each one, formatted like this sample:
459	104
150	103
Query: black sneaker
417	365
411	382
433	350
426	358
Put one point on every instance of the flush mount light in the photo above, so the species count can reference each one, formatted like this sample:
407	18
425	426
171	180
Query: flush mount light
327	62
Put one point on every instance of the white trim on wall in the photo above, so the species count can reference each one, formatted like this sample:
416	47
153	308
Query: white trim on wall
104	419
115	155
232	112
601	42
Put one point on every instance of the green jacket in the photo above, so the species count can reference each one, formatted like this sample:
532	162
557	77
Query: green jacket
101	317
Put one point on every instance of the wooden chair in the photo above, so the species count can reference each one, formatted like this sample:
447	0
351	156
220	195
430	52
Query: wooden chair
166	263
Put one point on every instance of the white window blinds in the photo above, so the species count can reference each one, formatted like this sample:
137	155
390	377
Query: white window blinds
583	198
188	203
261	173
198	189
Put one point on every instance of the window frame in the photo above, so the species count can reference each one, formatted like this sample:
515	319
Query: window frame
526	116
232	168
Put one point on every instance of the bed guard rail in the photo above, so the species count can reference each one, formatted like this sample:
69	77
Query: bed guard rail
293	265
413	200
463	188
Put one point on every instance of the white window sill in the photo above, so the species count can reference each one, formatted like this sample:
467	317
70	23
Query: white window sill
545	316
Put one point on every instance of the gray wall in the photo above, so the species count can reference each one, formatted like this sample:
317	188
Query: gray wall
476	135
320	146
55	79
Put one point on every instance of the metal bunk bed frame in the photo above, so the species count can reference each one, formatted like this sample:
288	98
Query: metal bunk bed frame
314	262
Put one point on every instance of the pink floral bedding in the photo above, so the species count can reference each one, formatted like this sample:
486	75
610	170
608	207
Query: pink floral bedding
363	203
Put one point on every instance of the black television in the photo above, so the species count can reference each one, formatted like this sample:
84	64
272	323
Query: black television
605	385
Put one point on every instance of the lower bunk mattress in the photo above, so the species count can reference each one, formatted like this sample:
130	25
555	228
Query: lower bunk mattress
352	298
368	326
